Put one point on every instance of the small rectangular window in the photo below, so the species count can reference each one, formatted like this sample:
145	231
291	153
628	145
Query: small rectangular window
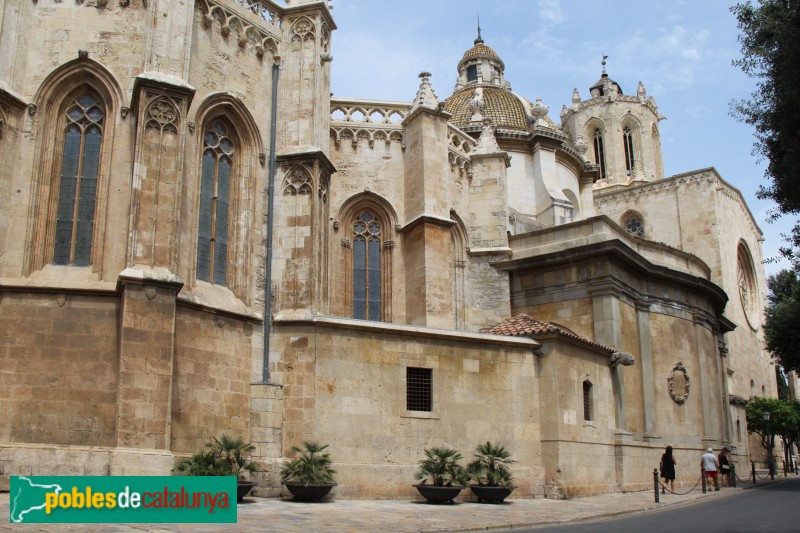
472	73
587	401
419	389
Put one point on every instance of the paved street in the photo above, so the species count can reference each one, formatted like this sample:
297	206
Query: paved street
266	515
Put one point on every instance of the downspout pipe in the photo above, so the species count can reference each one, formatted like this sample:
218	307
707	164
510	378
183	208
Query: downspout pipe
270	198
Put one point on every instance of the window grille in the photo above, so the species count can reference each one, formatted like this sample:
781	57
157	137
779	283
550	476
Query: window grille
587	400
419	389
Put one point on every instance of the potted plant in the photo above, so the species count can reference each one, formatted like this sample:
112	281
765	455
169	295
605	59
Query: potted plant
227	456
490	470
310	476
447	477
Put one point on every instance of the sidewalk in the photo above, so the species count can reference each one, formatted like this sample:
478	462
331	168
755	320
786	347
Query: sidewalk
265	515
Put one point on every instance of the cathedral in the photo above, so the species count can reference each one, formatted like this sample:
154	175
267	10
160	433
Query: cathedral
198	239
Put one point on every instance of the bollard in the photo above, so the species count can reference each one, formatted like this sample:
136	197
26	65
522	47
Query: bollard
733	475
655	482
753	466
703	478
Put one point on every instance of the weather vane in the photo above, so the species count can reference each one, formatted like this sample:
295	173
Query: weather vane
479	39
604	62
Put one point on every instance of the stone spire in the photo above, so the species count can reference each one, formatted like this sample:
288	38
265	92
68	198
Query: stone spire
425	96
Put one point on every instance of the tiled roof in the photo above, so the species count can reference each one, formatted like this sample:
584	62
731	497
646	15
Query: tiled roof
502	107
479	49
524	325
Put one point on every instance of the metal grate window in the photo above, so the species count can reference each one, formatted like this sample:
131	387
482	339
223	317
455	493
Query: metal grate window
587	400
419	389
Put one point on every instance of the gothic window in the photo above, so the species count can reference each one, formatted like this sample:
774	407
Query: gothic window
77	193
599	152
587	400
634	223
215	185
746	281
739	430
472	73
419	389
367	266
627	140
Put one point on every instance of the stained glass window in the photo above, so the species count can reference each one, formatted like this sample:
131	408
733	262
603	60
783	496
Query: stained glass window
83	135
212	235
367	267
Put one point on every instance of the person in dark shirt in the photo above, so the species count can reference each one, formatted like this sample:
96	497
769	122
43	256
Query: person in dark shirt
667	468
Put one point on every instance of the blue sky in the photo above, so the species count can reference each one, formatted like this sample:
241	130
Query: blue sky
680	50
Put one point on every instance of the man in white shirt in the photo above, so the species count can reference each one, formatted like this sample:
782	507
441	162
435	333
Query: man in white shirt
710	466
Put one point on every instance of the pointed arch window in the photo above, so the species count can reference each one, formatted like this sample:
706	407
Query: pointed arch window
599	152
212	239
77	193
630	158
367	266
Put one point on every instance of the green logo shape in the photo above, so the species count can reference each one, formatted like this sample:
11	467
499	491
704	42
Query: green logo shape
122	499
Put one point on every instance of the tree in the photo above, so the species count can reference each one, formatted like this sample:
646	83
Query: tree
770	33
782	325
784	417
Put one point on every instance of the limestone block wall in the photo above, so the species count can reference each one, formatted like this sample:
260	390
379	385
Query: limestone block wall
266	434
577	453
59	369
211	378
344	384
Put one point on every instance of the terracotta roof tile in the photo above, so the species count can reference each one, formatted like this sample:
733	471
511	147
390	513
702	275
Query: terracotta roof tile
480	49
524	325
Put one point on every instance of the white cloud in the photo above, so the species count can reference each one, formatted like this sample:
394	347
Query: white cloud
550	10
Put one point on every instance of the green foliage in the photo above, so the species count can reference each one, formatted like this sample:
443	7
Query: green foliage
784	418
227	456
312	467
491	466
442	467
782	325
770	54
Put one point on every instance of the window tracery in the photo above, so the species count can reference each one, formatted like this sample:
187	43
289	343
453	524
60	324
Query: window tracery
212	240
367	266
633	223
77	192
630	157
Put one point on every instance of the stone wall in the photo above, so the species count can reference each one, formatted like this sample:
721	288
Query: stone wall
344	384
59	368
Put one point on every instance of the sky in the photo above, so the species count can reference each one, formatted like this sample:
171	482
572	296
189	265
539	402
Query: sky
681	50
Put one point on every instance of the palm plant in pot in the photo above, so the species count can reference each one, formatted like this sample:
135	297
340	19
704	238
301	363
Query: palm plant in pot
490	470
227	456
309	477
447	477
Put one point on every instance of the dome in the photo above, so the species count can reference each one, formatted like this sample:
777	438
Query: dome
502	107
480	49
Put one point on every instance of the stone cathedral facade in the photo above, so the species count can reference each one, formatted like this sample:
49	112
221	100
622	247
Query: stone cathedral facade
197	239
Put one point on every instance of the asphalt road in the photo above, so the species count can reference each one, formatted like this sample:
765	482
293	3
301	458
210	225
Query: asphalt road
773	508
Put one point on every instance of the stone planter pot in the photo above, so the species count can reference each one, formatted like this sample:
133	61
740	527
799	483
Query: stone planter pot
436	494
485	493
309	493
243	488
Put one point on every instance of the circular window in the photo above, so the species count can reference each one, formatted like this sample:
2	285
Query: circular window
746	282
634	223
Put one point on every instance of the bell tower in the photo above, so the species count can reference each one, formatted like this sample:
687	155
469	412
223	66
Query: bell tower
621	132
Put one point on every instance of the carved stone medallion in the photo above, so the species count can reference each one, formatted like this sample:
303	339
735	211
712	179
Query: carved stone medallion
679	384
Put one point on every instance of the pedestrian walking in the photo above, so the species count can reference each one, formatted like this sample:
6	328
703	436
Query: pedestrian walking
709	464
724	467
667	467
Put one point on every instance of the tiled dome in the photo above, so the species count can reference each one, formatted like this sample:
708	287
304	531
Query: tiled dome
502	106
480	49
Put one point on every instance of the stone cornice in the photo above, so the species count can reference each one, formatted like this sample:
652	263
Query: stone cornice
304	318
305	155
429	219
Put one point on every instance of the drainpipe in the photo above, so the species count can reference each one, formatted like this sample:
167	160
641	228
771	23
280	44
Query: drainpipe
270	196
